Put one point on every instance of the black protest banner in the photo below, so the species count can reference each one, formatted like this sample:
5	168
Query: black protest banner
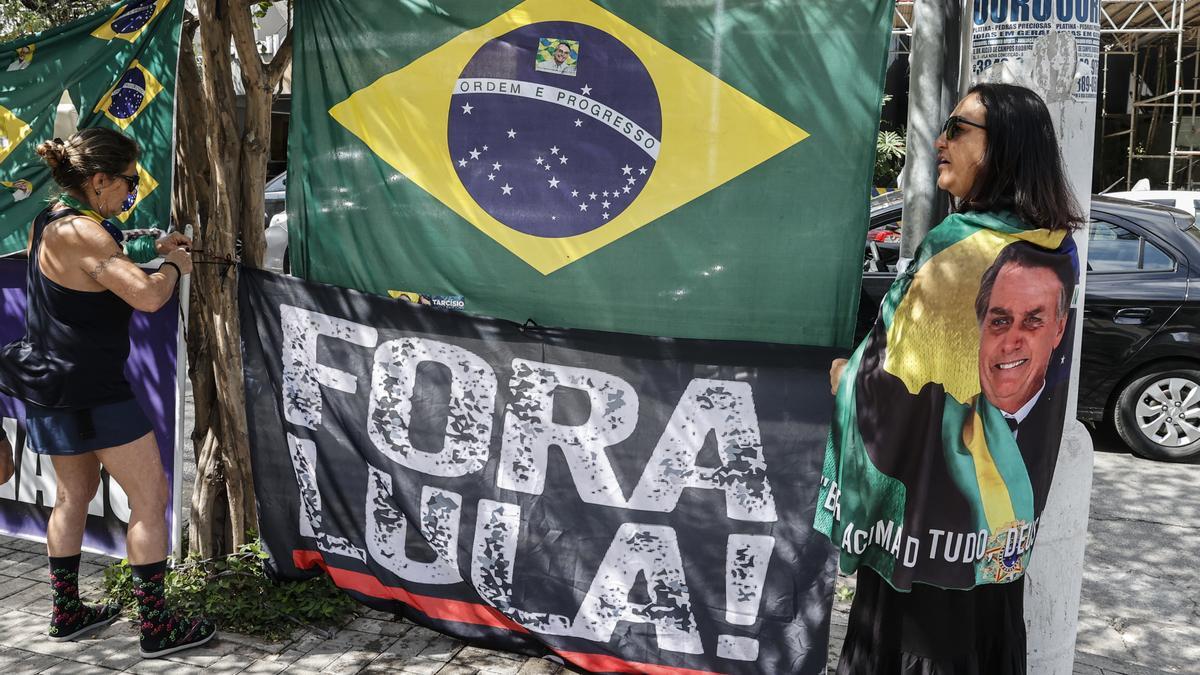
620	503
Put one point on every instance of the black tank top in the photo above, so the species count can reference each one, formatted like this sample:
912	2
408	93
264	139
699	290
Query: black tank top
76	342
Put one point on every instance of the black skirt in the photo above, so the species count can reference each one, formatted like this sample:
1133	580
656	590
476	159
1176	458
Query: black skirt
933	631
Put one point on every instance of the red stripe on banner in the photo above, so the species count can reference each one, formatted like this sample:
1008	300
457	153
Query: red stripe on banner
471	613
434	608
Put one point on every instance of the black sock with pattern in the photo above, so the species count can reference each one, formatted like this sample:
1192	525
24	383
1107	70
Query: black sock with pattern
71	617
163	631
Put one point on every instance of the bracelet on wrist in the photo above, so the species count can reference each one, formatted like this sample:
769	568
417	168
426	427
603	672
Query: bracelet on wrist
178	272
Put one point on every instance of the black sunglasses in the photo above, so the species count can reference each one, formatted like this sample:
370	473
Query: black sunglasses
953	125
131	181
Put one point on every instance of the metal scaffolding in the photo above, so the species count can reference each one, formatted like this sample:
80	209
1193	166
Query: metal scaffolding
1158	127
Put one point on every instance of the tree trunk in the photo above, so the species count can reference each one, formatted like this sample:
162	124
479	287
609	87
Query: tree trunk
223	175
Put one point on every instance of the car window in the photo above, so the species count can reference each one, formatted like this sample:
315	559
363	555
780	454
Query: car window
277	184
883	245
1112	248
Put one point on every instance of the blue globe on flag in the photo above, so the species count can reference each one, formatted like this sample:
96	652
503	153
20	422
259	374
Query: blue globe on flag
554	147
128	95
133	16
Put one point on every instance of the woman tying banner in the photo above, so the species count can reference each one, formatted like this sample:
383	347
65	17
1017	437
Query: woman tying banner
949	414
69	370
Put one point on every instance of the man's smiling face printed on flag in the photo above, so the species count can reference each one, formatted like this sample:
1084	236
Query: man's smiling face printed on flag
1023	315
561	53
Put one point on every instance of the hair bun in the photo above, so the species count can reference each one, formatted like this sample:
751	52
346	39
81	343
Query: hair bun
54	152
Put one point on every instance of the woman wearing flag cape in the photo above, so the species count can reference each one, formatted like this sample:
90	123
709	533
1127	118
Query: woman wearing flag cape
69	370
949	414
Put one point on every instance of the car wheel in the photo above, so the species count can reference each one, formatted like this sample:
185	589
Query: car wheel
1158	413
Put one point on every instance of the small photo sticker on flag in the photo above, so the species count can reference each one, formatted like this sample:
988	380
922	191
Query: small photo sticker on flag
20	188
24	58
130	95
557	56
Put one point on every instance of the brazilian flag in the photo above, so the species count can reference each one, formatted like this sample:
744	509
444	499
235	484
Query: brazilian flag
116	69
689	169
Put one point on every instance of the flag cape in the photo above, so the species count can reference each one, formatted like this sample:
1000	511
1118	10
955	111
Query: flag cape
924	478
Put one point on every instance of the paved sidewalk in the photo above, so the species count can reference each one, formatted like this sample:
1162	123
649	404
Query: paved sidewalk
371	643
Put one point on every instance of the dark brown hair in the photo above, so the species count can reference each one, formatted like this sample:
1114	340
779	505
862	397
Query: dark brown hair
86	153
1023	254
1022	167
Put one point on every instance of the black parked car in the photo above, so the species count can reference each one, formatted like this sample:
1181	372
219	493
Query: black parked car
1140	366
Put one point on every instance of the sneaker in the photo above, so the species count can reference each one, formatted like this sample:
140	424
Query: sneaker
100	617
185	635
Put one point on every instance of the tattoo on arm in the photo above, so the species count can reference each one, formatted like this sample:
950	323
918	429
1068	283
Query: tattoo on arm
99	269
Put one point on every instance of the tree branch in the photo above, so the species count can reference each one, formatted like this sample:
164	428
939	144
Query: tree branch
243	38
280	62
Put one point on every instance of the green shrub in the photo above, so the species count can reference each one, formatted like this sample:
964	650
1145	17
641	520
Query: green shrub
236	593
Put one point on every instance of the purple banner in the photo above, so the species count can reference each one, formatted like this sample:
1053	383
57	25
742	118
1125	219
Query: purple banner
26	499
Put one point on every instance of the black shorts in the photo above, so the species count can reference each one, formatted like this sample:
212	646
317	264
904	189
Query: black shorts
75	432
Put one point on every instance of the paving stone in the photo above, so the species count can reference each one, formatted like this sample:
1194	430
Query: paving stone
163	667
378	626
34	664
1113	667
322	655
12	585
34	591
114	652
539	667
365	641
411	643
229	664
290	656
199	657
10	656
493	663
26	545
36	568
21	563
408	665
66	667
264	667
350	663
442	648
457	669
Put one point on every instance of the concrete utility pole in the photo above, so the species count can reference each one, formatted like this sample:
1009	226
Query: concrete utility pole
1053	47
933	92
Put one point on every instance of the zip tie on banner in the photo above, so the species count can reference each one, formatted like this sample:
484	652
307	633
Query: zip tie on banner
128	235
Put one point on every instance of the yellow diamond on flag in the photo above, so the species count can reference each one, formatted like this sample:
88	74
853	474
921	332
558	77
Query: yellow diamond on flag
146	185
130	95
635	158
12	132
130	20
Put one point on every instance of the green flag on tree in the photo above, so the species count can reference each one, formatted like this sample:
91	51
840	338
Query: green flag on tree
117	68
